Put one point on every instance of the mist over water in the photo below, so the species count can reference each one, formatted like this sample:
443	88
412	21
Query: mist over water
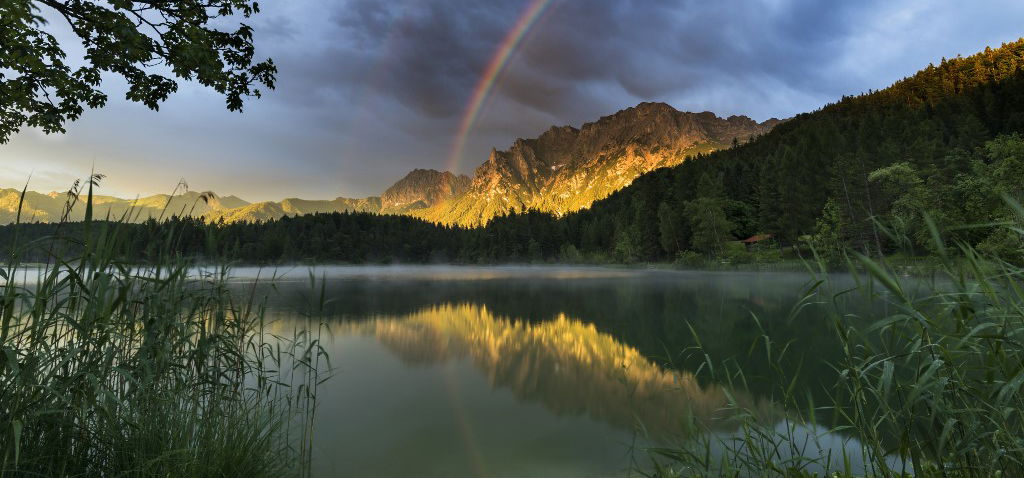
437	272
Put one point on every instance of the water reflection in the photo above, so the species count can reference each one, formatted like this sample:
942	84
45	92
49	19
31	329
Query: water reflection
522	372
563	363
661	314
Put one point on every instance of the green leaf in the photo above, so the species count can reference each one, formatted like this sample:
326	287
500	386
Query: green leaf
881	275
16	430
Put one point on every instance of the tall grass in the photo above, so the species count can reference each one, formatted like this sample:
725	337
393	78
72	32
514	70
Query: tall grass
109	368
928	384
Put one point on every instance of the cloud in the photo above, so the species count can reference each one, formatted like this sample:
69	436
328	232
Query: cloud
429	55
369	89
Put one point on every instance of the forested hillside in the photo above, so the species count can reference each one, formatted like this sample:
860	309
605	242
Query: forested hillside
917	146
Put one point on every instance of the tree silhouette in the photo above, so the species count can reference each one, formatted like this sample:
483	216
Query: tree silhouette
149	43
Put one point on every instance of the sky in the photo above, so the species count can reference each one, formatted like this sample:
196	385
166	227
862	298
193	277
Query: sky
368	90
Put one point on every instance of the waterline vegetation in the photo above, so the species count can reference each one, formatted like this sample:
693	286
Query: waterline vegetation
927	385
109	368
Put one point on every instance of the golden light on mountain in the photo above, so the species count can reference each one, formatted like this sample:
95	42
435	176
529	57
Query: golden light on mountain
565	364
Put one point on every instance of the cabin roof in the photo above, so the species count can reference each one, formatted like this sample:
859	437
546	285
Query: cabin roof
756	238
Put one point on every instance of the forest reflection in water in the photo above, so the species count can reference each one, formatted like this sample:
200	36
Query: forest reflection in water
527	374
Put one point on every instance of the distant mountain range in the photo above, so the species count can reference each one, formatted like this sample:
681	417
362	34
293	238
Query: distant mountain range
563	170
268	210
39	207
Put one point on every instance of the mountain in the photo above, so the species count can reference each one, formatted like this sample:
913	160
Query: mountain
924	165
270	210
906	167
419	189
947	141
39	207
566	169
423	188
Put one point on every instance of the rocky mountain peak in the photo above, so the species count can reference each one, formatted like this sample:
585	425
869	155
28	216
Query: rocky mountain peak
423	188
566	168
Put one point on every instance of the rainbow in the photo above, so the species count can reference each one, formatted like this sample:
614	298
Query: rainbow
494	69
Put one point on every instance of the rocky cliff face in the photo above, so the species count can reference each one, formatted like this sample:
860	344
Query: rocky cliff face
423	188
566	169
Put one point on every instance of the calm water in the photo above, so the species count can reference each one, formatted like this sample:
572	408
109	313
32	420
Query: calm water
533	372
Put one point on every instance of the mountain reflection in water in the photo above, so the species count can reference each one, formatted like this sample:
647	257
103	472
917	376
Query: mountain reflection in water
536	372
564	364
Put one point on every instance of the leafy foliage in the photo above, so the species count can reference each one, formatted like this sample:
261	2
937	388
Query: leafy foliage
148	43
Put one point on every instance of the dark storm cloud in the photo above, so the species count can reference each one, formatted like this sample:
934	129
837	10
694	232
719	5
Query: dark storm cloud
369	89
429	55
396	77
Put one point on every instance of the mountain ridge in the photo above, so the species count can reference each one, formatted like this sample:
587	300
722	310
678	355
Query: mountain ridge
50	207
563	169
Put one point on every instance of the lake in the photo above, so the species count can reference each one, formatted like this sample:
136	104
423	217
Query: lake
443	371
